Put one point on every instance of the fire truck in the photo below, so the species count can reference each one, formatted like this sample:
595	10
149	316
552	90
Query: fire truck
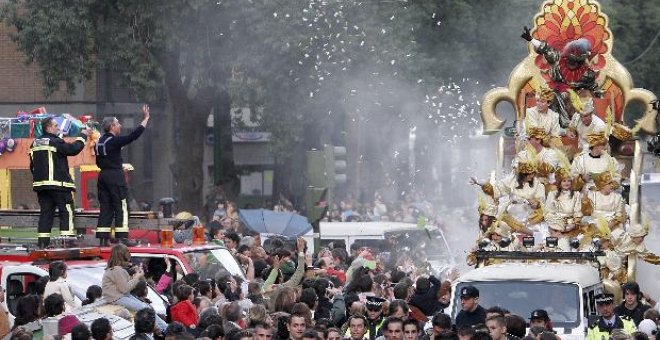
20	268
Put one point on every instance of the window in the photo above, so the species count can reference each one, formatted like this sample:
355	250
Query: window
257	183
19	285
210	263
560	300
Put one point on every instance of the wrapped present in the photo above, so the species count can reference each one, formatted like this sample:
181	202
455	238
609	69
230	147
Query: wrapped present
39	111
20	130
64	124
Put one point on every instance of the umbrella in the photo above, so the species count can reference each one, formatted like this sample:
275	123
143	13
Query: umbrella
271	222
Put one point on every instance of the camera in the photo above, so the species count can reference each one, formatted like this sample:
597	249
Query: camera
131	270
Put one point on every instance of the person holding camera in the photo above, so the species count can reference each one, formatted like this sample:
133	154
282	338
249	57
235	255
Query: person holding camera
120	277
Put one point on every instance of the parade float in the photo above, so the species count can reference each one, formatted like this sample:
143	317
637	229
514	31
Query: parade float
529	249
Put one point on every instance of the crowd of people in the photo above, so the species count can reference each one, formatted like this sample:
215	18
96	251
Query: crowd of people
288	294
348	209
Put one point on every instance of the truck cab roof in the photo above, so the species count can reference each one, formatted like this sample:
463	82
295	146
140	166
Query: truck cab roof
541	272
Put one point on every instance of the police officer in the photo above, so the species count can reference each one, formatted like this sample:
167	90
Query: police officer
375	319
608	321
112	187
51	179
471	313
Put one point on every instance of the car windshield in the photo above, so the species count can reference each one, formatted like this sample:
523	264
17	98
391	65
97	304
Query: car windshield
432	243
213	263
80	278
560	300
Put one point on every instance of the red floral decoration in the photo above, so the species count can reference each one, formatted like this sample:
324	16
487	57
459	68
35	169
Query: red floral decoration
572	20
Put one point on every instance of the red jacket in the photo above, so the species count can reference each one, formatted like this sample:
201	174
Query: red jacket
341	276
185	312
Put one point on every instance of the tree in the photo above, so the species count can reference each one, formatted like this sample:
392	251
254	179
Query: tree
182	48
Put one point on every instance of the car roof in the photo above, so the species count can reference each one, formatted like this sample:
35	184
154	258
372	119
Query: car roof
583	274
342	229
176	248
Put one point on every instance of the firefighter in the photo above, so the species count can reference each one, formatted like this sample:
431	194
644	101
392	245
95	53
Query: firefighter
112	187
51	179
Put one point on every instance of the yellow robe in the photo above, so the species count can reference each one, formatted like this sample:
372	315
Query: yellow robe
549	121
566	207
597	126
585	164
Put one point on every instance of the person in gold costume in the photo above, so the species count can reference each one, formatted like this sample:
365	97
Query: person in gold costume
632	243
604	203
564	205
524	195
596	161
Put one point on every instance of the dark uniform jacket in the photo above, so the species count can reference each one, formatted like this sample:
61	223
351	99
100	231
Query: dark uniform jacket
108	148
48	162
469	319
637	314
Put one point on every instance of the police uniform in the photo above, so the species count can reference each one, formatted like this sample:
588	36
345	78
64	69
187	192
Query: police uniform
374	327
602	329
112	187
53	183
470	318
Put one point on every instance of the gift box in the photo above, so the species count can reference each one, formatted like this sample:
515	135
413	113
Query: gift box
64	124
20	130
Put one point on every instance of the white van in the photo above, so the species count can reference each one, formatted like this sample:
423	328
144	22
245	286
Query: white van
371	234
367	234
566	291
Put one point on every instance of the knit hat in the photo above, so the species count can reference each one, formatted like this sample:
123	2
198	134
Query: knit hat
66	324
648	327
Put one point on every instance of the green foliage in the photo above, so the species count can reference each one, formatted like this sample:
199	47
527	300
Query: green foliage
312	70
635	25
59	38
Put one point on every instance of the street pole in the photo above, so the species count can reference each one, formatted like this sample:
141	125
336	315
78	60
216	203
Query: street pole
316	229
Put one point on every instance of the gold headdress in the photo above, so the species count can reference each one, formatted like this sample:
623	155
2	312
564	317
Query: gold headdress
545	93
603	179
487	206
640	229
637	230
555	222
621	132
537	132
499	228
562	174
526	168
595	139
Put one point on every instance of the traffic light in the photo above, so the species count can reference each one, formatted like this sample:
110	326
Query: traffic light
317	203
335	165
316	176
